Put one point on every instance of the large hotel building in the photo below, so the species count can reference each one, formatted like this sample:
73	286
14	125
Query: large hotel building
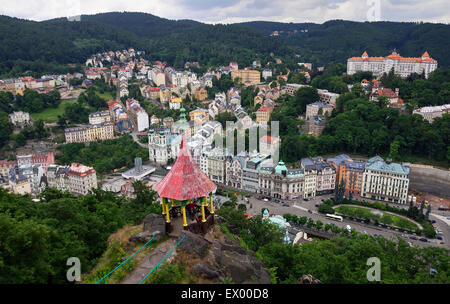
403	66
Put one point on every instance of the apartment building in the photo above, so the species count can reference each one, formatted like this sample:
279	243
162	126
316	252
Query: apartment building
250	174
234	170
385	180
216	165
81	179
262	115
247	77
314	109
88	133
325	174
99	117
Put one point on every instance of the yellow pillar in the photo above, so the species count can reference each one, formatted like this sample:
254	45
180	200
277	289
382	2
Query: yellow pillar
211	202
183	208
163	206
173	203
167	214
203	210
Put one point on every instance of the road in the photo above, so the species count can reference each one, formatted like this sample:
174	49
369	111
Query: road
300	208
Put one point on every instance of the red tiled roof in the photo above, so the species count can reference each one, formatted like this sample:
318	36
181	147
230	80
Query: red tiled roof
185	180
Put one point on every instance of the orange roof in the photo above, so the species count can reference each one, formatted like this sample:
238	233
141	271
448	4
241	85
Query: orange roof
263	109
393	56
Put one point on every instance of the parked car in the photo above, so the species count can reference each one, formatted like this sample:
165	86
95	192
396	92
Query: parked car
286	205
305	199
412	237
309	211
322	200
410	244
404	235
423	240
433	221
317	205
266	200
439	237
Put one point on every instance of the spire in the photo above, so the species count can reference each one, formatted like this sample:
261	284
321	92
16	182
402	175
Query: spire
425	55
364	55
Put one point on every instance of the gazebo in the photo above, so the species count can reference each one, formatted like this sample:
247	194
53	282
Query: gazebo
186	186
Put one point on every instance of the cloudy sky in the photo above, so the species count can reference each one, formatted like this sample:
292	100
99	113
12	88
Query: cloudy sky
229	11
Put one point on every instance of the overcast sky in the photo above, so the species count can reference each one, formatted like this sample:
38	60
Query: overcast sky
229	11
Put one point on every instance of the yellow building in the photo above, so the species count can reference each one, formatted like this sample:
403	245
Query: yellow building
258	99
247	77
90	133
199	115
201	94
262	115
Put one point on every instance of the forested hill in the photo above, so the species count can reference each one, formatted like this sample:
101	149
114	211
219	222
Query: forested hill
48	46
335	41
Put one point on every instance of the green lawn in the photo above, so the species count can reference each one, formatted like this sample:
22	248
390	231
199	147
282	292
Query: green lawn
386	218
106	96
51	115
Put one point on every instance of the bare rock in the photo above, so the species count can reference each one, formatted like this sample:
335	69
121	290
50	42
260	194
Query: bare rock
194	244
308	279
155	222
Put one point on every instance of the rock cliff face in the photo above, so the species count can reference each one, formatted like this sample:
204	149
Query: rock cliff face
224	258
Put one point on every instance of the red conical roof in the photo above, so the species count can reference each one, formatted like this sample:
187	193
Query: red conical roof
185	180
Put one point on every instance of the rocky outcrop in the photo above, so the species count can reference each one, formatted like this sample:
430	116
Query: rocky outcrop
194	244
308	279
155	223
224	259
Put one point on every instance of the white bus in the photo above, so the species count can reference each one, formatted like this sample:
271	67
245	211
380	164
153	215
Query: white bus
334	217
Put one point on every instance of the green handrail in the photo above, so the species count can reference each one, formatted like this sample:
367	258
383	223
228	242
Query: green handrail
162	260
127	260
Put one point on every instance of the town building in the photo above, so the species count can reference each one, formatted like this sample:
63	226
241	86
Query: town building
351	174
234	170
88	133
325	174
216	165
201	94
58	177
262	115
175	103
327	97
315	125
281	182
81	179
291	88
266	73
20	118
403	66
430	113
250	174
392	96
99	117
386	181
314	109
247	77
18	182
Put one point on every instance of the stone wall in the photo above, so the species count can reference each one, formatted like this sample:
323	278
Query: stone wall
431	180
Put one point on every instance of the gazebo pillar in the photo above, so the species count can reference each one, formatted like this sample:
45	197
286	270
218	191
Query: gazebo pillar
203	209
183	209
211	202
167	214
163	206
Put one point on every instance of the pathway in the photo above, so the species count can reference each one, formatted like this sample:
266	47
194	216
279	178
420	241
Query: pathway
150	261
